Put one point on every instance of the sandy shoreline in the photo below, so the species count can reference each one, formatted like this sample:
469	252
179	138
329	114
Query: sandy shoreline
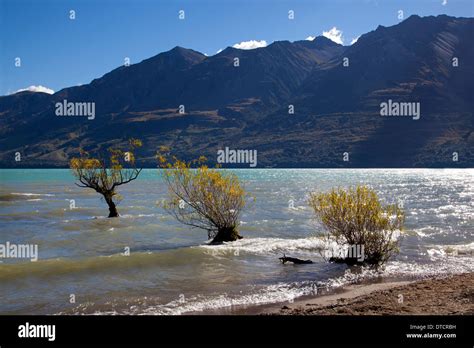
436	296
453	294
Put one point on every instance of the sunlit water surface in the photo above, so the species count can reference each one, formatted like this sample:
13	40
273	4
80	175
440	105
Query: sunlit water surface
171	270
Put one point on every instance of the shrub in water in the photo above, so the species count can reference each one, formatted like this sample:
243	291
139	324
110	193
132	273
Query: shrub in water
209	199
356	217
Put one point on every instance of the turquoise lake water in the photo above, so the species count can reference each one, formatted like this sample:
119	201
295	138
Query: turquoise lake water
171	270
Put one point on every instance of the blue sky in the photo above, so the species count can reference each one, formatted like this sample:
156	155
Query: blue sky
58	52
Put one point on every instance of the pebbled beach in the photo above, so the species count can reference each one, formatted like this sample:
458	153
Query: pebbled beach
437	296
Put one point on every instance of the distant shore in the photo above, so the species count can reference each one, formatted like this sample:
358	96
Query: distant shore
436	296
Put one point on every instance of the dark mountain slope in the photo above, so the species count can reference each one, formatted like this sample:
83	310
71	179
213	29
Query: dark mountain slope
409	62
337	108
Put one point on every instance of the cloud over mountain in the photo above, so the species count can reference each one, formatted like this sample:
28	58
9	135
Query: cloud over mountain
335	35
38	88
250	45
354	40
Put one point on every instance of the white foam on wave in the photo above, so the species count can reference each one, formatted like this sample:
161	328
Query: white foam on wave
442	260
427	231
127	216
31	194
262	246
267	245
131	216
438	251
448	210
442	264
287	292
439	263
276	293
445	266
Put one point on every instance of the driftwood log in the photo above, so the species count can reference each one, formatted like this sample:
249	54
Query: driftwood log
286	259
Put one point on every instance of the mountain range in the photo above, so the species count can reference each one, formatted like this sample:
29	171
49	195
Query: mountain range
299	104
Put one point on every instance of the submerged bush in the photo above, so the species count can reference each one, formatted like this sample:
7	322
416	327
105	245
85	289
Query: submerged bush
356	217
105	176
209	199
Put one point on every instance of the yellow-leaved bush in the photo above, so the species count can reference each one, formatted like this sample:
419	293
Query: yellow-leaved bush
211	199
356	217
106	176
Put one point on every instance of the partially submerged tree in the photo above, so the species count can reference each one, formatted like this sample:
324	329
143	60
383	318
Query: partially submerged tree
356	217
205	198
106	176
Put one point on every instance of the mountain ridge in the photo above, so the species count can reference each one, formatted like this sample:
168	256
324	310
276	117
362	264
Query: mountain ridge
335	106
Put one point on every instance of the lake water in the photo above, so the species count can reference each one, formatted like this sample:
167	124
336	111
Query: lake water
171	270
